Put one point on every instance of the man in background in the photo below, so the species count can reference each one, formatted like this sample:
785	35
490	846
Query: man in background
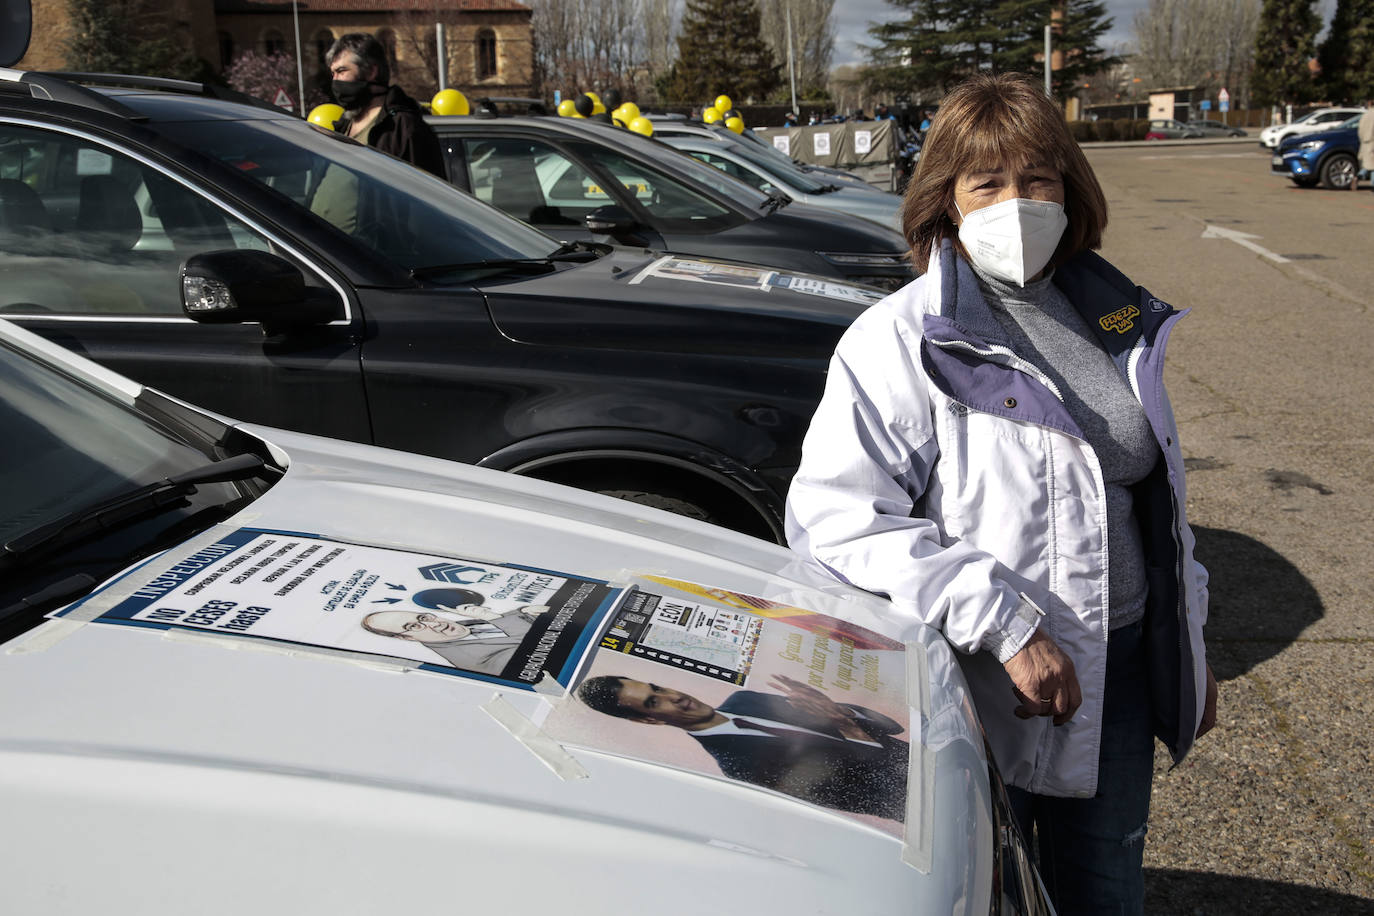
376	112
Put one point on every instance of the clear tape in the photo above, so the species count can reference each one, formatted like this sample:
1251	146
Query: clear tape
918	678
43	638
917	847
564	765
548	686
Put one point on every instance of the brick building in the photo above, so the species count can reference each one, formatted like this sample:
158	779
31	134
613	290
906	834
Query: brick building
488	42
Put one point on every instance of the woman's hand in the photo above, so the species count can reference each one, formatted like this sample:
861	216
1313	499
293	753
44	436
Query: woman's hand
1043	679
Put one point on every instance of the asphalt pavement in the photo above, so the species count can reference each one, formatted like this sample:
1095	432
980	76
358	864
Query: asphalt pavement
1273	386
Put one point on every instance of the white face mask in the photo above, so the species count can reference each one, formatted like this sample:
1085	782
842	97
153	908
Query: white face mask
1015	239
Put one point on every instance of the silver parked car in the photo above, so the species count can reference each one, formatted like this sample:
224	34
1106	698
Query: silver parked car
769	174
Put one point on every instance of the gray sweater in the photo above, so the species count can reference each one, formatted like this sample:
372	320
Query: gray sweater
1047	331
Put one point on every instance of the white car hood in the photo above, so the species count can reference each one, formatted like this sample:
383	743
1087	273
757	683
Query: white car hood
146	770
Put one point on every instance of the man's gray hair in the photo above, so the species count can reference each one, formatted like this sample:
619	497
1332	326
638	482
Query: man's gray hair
368	51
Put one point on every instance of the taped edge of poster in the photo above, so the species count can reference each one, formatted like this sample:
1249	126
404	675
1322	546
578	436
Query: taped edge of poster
918	678
552	754
918	842
291	650
920	780
56	629
548	686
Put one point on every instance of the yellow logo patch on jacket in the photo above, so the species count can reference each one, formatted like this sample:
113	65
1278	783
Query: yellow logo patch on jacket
1120	321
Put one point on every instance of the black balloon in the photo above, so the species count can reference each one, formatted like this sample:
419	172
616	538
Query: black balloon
611	99
584	105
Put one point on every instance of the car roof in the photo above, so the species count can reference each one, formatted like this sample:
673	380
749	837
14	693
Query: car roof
138	97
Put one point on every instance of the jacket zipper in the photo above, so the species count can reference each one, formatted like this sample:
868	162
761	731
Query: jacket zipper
1008	358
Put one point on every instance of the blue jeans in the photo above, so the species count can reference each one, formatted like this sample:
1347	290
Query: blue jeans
1090	850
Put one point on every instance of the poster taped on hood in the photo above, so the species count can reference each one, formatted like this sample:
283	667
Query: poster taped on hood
694	270
755	692
503	623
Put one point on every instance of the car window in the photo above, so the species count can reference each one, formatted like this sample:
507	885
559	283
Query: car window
399	212
87	229
533	181
734	169
673	204
1329	117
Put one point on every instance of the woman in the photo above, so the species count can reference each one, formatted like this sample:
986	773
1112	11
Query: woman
995	453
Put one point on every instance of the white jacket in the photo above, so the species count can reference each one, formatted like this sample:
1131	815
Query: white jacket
944	472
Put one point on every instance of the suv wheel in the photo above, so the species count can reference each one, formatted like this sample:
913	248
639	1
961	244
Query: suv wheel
1338	171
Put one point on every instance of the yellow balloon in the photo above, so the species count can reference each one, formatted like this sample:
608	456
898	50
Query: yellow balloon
449	102
642	125
627	112
711	115
723	103
597	107
325	115
735	124
566	108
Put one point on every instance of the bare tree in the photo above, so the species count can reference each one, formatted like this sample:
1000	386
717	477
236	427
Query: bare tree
813	38
603	44
1196	42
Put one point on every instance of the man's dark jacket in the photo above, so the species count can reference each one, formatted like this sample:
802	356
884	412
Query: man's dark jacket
402	132
846	775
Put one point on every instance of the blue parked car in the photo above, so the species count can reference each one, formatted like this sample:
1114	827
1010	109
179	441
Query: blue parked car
1328	158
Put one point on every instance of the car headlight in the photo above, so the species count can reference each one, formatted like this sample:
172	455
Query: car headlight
1312	144
1016	887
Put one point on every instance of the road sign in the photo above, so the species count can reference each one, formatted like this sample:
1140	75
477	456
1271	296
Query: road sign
1224	98
282	100
1206	105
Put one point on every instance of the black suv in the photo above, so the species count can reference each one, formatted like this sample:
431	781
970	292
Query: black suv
240	258
582	180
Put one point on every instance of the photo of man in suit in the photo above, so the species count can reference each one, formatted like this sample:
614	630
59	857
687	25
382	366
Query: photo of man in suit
797	741
483	643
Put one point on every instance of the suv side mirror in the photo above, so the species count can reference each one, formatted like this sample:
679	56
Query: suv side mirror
232	286
615	221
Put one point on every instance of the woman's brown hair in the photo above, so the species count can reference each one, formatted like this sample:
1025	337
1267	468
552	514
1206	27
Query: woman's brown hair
990	121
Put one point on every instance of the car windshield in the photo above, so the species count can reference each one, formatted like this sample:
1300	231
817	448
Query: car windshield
1352	122
67	445
403	214
782	172
718	181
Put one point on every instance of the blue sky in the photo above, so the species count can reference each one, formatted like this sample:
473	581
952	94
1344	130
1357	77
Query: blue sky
852	18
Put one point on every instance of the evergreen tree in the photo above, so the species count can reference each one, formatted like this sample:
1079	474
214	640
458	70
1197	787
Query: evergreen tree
1286	41
1345	55
940	42
124	36
1361	58
720	50
1083	24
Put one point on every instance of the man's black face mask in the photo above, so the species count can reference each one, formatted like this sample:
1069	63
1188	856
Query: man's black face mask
352	94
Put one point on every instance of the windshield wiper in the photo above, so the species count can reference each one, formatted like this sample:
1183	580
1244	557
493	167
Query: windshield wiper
827	189
150	499
575	252
581	251
503	265
775	201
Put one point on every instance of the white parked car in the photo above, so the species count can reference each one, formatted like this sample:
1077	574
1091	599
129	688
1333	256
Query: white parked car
770	175
250	671
1310	123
